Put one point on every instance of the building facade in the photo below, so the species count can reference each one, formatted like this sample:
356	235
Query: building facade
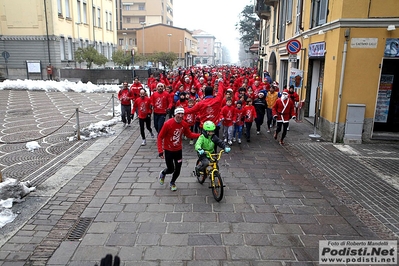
41	37
206	48
343	59
131	16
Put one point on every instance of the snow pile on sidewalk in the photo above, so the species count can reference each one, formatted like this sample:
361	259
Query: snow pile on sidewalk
11	190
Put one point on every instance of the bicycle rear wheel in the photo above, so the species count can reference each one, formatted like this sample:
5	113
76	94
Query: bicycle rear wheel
217	186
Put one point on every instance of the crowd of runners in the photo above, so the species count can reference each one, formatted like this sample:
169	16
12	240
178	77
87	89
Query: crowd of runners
228	99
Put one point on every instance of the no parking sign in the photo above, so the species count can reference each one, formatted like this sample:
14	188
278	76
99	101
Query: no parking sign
293	46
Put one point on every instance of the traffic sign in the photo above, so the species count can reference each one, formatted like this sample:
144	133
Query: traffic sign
5	54
293	46
292	58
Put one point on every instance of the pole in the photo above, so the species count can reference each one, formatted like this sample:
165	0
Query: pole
48	41
180	52
77	124
169	35
113	105
341	85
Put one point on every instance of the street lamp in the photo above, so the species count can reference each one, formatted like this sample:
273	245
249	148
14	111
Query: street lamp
124	38
180	51
169	35
143	24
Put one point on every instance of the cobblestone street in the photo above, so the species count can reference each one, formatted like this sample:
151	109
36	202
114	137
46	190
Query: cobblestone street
103	195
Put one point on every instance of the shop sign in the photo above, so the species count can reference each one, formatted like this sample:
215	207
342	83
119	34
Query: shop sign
392	47
296	77
383	99
317	49
364	42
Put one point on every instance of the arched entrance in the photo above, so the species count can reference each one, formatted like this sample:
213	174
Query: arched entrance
272	66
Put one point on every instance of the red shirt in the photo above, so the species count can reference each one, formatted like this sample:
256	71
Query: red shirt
170	137
209	108
228	115
160	102
238	114
135	89
125	96
144	106
249	113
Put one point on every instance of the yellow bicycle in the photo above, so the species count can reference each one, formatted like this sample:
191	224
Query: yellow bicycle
212	170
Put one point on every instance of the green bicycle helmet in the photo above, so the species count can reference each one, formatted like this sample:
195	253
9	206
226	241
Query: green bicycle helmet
209	126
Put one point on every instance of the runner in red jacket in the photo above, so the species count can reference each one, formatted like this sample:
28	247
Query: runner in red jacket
170	146
143	106
283	110
160	101
209	108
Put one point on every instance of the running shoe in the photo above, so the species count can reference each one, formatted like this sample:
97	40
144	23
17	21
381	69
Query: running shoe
161	178
173	187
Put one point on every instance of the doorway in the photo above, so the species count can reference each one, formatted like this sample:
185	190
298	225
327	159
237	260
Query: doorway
387	106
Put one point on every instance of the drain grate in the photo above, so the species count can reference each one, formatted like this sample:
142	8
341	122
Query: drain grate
79	229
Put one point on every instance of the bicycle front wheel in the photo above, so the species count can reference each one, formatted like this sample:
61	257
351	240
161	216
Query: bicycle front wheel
217	186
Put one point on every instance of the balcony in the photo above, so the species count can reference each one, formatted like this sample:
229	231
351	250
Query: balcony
262	10
270	2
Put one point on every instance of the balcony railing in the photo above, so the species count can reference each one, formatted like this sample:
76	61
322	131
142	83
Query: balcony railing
262	10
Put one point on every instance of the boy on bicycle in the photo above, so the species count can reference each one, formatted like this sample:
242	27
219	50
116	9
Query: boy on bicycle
206	142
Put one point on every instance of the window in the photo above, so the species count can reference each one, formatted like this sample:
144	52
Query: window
62	48
106	20
120	42
297	16
141	6
319	11
289	11
84	12
94	16
67	10
79	11
130	41
99	17
59	7
205	50
110	21
128	19
282	21
99	48
126	7
70	53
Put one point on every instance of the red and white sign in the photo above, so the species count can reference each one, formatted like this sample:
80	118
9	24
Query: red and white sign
293	46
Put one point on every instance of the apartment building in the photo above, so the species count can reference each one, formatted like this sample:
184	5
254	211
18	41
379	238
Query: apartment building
342	56
206	48
147	27
39	37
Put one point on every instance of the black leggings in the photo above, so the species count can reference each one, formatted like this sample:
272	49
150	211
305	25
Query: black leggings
147	122
173	160
285	126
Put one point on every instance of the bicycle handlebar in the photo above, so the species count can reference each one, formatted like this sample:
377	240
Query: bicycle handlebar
212	155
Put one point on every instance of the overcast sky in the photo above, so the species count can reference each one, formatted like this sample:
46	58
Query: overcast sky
217	17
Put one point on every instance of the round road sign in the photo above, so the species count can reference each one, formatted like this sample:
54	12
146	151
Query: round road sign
293	46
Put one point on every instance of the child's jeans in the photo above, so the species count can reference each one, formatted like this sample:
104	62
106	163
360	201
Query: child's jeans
238	130
228	132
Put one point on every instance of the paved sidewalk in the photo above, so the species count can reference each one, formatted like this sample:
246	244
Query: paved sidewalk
279	202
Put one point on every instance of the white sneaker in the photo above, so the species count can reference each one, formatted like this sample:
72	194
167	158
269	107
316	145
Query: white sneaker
257	132
225	140
239	141
144	142
191	142
234	139
229	142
